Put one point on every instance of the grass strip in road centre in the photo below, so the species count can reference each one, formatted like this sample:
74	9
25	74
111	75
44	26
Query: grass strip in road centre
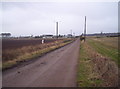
33	54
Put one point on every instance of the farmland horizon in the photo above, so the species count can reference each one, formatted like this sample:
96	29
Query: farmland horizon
31	35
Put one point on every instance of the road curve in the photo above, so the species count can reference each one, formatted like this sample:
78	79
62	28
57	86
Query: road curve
55	69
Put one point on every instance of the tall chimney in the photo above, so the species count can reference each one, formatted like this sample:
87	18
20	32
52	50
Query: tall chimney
57	29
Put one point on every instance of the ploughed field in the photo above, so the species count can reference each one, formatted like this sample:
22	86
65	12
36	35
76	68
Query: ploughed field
18	43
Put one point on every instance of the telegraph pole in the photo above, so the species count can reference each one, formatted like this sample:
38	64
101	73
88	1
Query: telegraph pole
85	30
71	33
57	29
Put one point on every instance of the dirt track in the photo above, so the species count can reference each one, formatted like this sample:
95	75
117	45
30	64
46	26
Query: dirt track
55	69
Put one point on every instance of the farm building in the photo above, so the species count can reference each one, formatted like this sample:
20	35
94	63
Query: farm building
47	36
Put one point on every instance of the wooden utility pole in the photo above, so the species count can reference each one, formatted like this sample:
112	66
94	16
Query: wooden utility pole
57	29
85	30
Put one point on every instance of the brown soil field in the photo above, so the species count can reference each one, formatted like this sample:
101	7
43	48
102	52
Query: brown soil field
18	43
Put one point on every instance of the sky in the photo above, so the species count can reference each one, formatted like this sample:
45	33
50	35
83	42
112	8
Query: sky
37	18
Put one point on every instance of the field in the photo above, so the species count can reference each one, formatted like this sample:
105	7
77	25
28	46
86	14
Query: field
98	62
18	43
108	47
17	51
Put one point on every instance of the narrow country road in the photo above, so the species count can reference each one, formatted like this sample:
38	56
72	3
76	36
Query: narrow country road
55	69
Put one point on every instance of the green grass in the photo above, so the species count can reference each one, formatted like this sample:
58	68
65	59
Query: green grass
85	74
82	69
106	50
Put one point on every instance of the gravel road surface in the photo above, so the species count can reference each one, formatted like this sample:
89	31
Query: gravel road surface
55	69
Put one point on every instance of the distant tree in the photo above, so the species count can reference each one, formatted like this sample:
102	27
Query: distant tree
5	34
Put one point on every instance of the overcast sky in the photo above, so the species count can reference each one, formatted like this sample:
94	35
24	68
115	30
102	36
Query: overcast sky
31	18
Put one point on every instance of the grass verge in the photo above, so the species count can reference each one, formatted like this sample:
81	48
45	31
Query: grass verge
86	77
